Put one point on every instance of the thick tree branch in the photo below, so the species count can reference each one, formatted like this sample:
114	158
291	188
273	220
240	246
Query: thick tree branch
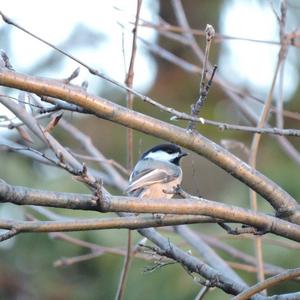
193	264
276	196
266	223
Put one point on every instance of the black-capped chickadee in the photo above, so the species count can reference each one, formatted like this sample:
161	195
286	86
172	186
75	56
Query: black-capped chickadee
156	172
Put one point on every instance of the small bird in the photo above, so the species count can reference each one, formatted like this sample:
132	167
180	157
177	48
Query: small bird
157	172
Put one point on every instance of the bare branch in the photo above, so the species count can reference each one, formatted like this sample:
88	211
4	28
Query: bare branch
192	68
269	283
164	27
284	46
202	293
277	197
221	211
129	83
285	144
249	129
133	222
85	141
53	123
192	264
5	60
8	234
256	140
204	87
182	20
235	253
208	254
62	95
90	69
64	262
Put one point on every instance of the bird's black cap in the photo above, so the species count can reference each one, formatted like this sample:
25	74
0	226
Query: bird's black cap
169	148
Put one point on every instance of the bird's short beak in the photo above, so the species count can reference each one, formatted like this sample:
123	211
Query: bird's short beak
183	154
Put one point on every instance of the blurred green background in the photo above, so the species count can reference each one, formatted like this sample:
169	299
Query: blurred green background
26	264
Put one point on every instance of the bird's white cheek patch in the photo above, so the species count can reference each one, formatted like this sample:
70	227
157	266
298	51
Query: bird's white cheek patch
161	155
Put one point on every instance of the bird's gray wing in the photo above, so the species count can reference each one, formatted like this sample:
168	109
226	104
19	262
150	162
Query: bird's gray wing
148	177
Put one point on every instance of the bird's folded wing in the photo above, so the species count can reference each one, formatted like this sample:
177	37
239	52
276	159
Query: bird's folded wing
148	177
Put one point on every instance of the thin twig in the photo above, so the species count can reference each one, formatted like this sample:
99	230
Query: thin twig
284	45
262	121
237	254
270	282
106	161
125	268
131	222
226	126
254	151
97	73
92	70
100	250
85	141
285	144
252	269
204	87
206	252
129	83
210	32
252	162
64	262
164	27
97	249
202	293
192	68
247	112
